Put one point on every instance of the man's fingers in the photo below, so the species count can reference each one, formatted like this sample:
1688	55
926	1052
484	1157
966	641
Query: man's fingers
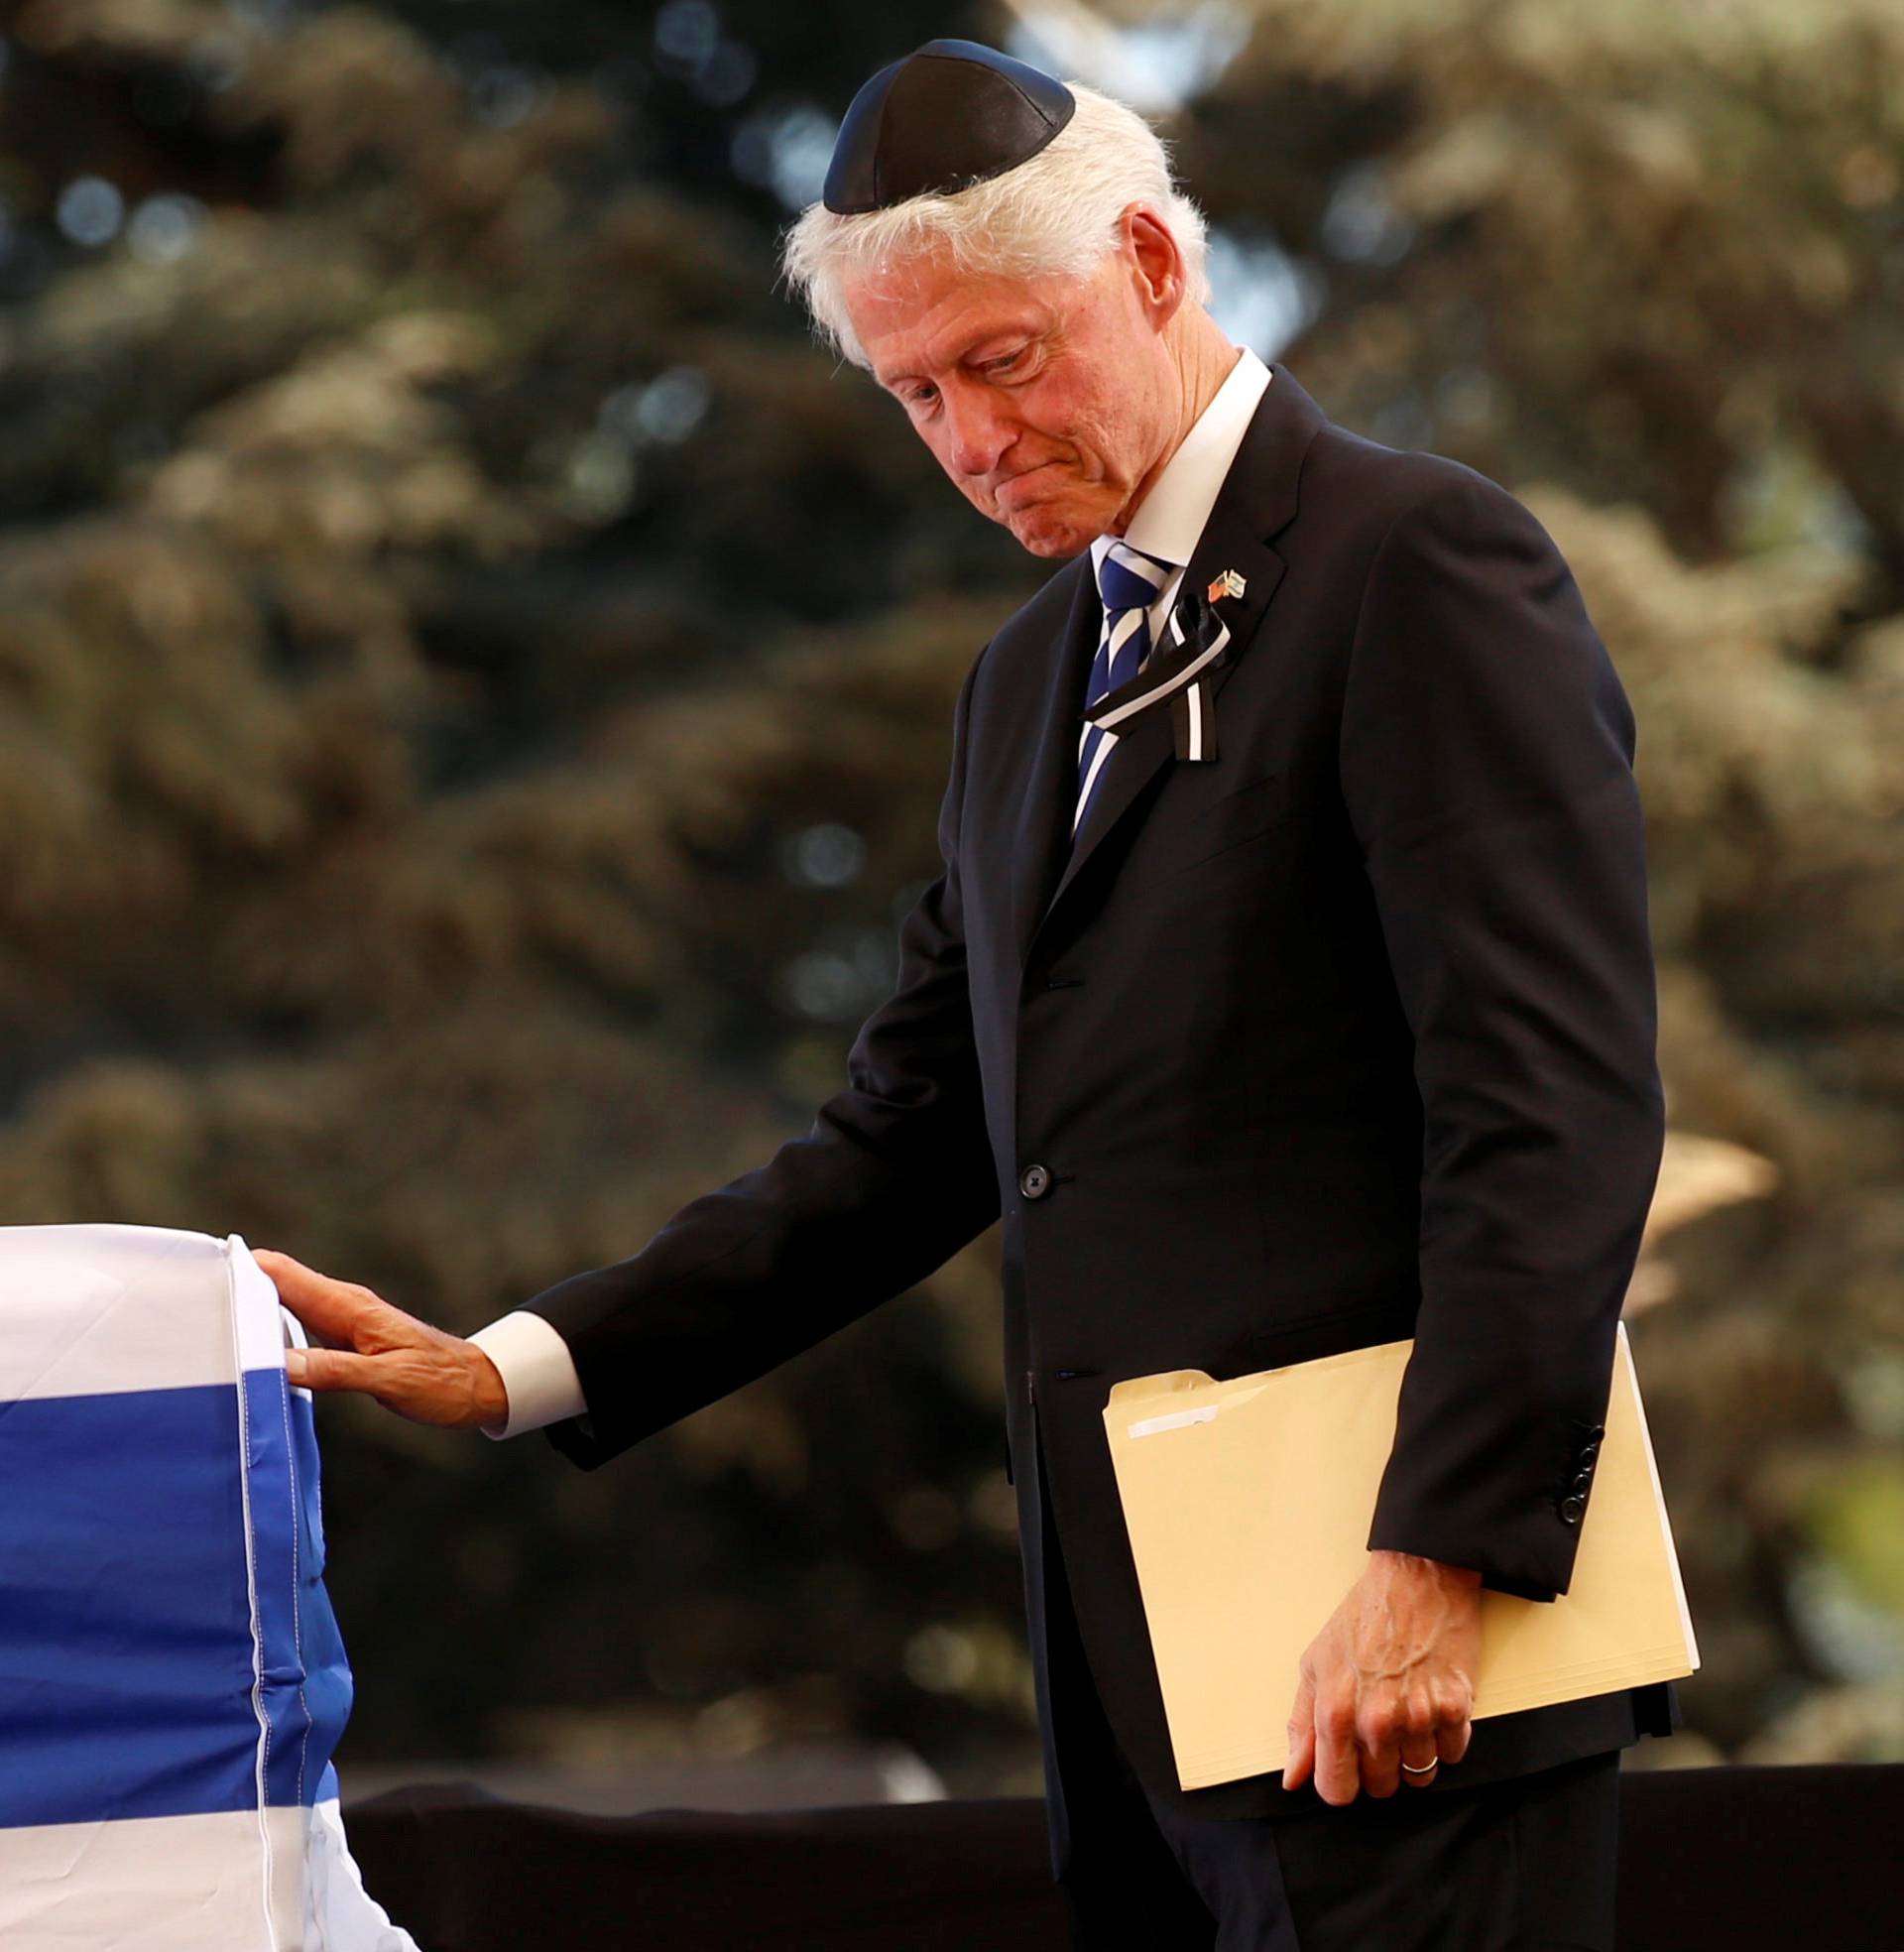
1417	1754
1379	1757
1451	1740
1302	1736
332	1369
1337	1755
327	1307
419	1371
1453	1721
396	1380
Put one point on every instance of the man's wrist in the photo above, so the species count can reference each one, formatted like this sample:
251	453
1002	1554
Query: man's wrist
488	1395
1412	1564
540	1383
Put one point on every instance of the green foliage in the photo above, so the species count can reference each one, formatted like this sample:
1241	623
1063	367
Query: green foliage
474	691
1859	1520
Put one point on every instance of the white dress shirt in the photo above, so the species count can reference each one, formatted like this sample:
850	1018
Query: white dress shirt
538	1371
1170	519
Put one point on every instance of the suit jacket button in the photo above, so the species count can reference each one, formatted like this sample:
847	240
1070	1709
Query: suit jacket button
1583	1484
1035	1183
1571	1509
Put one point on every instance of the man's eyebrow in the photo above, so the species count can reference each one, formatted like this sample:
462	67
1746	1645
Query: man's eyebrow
974	350
1006	335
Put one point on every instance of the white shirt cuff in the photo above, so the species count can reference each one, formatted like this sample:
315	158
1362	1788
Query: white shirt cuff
537	1372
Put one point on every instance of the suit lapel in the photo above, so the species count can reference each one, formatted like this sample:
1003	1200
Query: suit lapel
1050	788
1258	500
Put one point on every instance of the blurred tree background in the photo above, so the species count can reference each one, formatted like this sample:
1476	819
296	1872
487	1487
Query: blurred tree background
475	689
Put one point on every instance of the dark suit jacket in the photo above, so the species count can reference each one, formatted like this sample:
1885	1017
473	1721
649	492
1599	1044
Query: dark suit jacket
1344	1036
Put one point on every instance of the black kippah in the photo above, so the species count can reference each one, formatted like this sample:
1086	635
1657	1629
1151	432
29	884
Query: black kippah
950	114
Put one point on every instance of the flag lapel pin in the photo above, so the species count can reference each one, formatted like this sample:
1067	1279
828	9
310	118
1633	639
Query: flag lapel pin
1227	584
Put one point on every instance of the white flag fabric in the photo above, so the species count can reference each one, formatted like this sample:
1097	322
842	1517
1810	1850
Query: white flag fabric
172	1683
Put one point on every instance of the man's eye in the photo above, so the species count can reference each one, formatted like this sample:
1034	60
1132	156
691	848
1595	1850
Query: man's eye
1008	360
921	396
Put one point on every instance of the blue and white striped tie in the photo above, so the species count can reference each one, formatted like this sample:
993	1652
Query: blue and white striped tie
1129	581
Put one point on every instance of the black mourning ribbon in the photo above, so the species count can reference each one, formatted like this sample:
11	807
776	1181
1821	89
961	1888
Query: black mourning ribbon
1176	675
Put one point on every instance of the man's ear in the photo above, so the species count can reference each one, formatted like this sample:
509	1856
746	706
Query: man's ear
1156	262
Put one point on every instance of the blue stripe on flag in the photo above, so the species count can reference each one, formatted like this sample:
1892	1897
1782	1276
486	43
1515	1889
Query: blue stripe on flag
307	1685
328	1688
125	1638
274	1528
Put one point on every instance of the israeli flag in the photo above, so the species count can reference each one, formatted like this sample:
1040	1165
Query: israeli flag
172	1679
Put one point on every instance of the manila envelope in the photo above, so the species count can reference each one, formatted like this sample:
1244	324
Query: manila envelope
1249	1504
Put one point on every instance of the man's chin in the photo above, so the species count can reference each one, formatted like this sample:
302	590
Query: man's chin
1051	531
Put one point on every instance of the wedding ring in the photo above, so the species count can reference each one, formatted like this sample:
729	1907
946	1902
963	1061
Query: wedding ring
1427	1769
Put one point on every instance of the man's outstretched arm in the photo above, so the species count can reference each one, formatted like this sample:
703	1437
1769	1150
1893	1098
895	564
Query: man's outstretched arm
891	1178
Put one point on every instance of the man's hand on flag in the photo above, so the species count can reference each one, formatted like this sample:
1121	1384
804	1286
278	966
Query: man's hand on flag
419	1372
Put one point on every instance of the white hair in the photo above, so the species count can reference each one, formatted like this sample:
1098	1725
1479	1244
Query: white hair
1056	213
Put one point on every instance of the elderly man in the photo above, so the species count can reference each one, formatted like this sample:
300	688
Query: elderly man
1288	989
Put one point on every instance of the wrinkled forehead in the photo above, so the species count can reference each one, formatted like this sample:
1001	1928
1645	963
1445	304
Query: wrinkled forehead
928	309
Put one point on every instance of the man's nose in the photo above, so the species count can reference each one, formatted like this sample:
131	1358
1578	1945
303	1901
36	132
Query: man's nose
977	434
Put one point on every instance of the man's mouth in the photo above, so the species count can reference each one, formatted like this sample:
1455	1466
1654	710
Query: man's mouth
1005	489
